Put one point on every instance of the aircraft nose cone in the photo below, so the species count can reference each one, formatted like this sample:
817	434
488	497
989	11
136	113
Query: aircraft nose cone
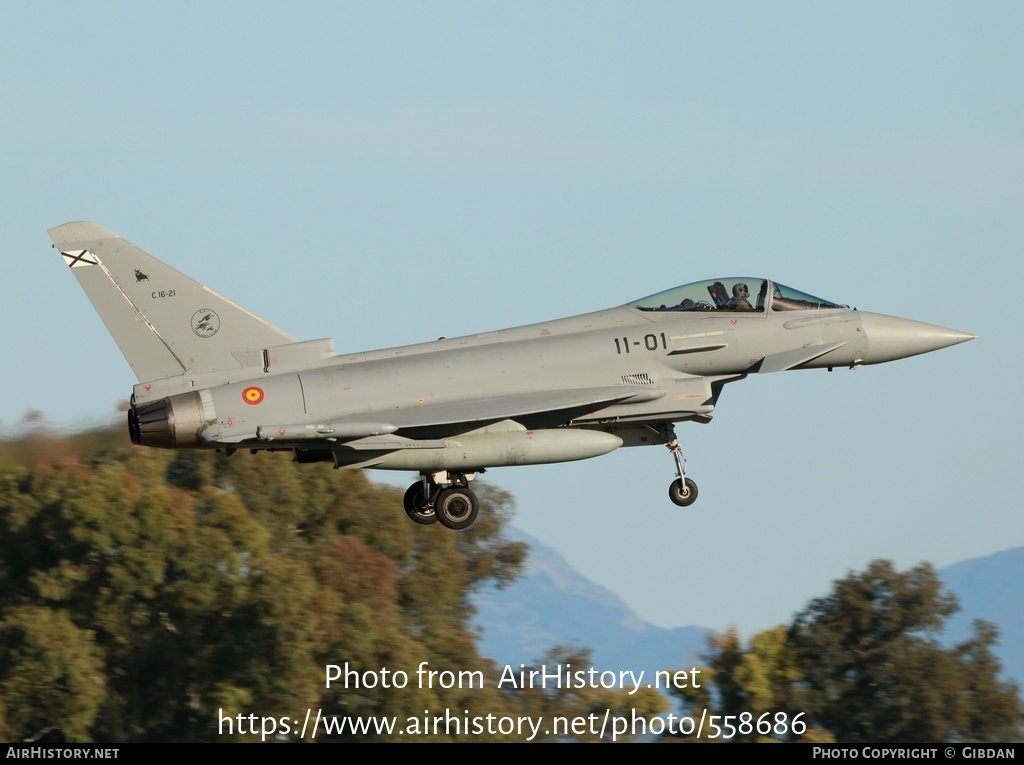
890	337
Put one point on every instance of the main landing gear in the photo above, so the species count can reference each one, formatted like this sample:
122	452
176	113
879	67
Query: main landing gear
454	504
681	491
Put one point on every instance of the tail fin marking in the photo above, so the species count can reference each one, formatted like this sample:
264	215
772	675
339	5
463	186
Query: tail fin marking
164	322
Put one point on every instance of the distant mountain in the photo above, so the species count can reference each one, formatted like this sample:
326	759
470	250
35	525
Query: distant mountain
991	588
551	604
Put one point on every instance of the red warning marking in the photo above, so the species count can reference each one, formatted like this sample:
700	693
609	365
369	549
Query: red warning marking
252	395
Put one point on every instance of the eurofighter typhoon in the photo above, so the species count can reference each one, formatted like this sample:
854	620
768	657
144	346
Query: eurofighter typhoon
212	375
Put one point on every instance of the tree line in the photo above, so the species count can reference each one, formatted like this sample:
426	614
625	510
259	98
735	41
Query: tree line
864	664
149	595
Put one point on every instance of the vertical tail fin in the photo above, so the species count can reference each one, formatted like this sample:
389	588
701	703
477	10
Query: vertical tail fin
164	322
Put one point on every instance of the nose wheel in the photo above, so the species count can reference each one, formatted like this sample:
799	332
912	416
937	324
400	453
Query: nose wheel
682	491
454	504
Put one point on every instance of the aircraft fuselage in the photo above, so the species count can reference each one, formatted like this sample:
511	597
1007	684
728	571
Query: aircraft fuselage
214	375
671	360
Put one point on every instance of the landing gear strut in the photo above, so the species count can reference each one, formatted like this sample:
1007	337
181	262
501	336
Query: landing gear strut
453	503
681	491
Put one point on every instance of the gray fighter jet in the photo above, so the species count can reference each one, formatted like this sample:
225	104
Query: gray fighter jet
214	375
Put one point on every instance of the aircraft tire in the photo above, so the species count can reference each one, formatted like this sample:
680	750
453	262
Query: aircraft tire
683	494
416	508
456	507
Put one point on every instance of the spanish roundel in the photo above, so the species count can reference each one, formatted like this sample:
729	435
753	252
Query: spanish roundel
252	395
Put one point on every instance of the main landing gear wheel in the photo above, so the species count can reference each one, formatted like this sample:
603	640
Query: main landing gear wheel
456	507
417	507
683	492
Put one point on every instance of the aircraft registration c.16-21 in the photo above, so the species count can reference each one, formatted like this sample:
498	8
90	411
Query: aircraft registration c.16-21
213	375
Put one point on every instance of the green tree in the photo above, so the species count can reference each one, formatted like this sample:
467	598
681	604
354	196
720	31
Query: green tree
864	664
150	595
144	594
53	674
748	686
875	671
578	711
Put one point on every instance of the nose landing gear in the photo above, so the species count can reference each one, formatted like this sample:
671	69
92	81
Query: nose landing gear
682	491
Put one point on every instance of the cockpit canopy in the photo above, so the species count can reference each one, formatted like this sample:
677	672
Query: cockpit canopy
735	294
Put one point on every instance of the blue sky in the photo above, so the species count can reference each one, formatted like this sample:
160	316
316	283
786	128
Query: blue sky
388	173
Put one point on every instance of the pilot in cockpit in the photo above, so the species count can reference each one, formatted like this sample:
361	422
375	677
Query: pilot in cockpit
740	295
